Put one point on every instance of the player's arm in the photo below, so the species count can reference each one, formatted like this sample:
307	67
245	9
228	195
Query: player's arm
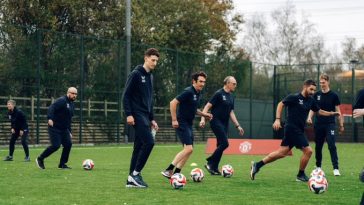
327	113
340	119
236	123
205	110
309	118
204	114
173	108
127	96
277	121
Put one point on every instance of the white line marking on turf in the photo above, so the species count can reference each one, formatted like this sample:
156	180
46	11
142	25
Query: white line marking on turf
100	147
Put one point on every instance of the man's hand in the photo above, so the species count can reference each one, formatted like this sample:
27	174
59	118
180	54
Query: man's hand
21	132
208	116
277	125
358	112
202	123
154	125
341	129
12	131
50	123
175	124
130	120
309	121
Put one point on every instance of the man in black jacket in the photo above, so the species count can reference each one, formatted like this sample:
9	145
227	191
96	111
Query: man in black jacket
19	127
59	116
138	108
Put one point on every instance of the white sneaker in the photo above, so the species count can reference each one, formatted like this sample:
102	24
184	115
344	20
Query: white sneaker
336	172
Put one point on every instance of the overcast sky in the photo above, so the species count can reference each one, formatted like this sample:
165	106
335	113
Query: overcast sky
334	19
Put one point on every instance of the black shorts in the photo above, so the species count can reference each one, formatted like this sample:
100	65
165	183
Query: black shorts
294	137
185	134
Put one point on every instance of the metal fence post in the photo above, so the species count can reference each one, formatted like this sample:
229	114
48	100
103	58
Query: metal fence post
81	88
39	47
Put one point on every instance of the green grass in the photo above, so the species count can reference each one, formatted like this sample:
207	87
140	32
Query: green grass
24	183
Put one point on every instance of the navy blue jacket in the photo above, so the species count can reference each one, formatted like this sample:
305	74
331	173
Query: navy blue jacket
61	112
18	120
359	104
138	93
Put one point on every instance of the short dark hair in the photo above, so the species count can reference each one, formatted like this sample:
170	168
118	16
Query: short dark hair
309	82
152	52
324	77
197	74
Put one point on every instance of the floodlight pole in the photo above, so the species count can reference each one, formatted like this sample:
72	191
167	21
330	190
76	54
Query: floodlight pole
127	51
353	64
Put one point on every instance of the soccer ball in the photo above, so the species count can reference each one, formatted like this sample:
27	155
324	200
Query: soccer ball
318	184
88	164
317	171
178	181
197	175
227	171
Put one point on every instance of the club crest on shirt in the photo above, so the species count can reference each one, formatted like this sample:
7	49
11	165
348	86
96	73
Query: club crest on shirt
224	98
319	97
194	97
68	106
143	79
300	101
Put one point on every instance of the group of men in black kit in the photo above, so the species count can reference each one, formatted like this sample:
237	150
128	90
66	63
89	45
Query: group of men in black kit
138	108
59	116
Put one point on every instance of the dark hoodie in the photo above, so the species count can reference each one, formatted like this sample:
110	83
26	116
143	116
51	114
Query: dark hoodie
138	93
18	120
61	112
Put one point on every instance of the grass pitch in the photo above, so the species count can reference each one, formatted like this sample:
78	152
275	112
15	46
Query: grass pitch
24	183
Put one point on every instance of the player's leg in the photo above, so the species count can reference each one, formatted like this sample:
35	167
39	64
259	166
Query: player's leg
143	146
55	139
213	161
12	141
320	135
66	142
24	142
281	152
331	143
305	158
184	132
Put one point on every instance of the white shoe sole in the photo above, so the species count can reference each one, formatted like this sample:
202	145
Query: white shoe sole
135	182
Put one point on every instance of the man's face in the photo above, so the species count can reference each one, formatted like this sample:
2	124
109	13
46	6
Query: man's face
72	94
10	106
310	90
200	83
150	61
324	84
231	84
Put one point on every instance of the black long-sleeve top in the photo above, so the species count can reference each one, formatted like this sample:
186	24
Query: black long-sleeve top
18	119
138	93
61	112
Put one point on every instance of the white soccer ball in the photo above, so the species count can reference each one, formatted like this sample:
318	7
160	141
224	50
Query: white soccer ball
178	181
318	184
197	175
88	164
317	171
227	171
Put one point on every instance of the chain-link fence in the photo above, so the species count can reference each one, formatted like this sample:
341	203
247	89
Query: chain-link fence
37	66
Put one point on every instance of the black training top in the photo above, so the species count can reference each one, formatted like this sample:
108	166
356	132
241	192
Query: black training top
61	112
222	104
188	102
298	108
18	119
359	104
138	93
326	101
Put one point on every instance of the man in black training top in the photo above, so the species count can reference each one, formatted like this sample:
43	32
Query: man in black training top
59	116
222	108
298	106
358	109
19	127
325	126
182	121
138	108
